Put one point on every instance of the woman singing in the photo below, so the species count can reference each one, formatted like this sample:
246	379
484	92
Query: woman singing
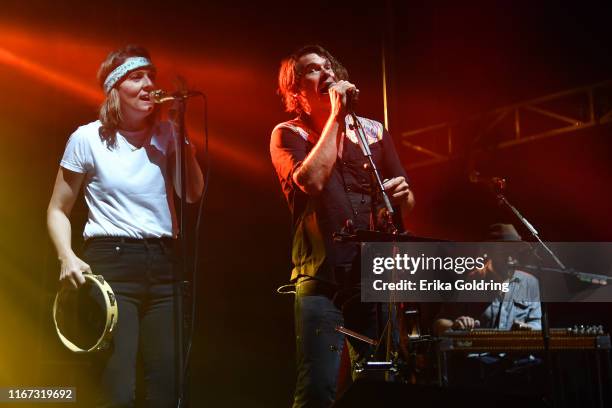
127	164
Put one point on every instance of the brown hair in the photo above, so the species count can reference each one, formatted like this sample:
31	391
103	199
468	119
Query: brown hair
290	74
110	110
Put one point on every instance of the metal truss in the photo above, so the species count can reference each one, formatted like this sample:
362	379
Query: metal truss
551	115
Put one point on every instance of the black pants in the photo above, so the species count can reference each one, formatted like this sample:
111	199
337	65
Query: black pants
141	275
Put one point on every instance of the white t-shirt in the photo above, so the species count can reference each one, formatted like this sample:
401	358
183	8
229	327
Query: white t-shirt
128	190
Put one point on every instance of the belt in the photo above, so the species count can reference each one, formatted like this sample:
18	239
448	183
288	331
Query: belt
165	241
308	286
339	295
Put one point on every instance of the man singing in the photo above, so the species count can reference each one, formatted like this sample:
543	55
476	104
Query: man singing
321	170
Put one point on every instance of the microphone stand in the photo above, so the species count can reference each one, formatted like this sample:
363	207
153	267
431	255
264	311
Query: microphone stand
586	277
181	104
497	189
388	223
503	200
365	149
182	352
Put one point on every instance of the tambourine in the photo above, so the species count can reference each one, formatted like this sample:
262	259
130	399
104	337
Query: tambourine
85	318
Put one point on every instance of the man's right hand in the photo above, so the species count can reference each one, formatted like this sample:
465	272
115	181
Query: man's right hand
72	269
465	323
340	93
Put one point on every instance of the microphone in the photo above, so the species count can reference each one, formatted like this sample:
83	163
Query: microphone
161	96
497	183
352	95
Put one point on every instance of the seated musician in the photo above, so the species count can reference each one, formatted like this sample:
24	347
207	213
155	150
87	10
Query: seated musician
513	310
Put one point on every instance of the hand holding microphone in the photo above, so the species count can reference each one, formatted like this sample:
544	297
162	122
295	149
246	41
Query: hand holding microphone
343	96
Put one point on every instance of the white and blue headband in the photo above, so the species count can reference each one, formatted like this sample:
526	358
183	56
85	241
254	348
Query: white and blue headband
130	64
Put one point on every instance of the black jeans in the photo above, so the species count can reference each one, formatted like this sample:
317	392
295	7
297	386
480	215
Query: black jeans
141	275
